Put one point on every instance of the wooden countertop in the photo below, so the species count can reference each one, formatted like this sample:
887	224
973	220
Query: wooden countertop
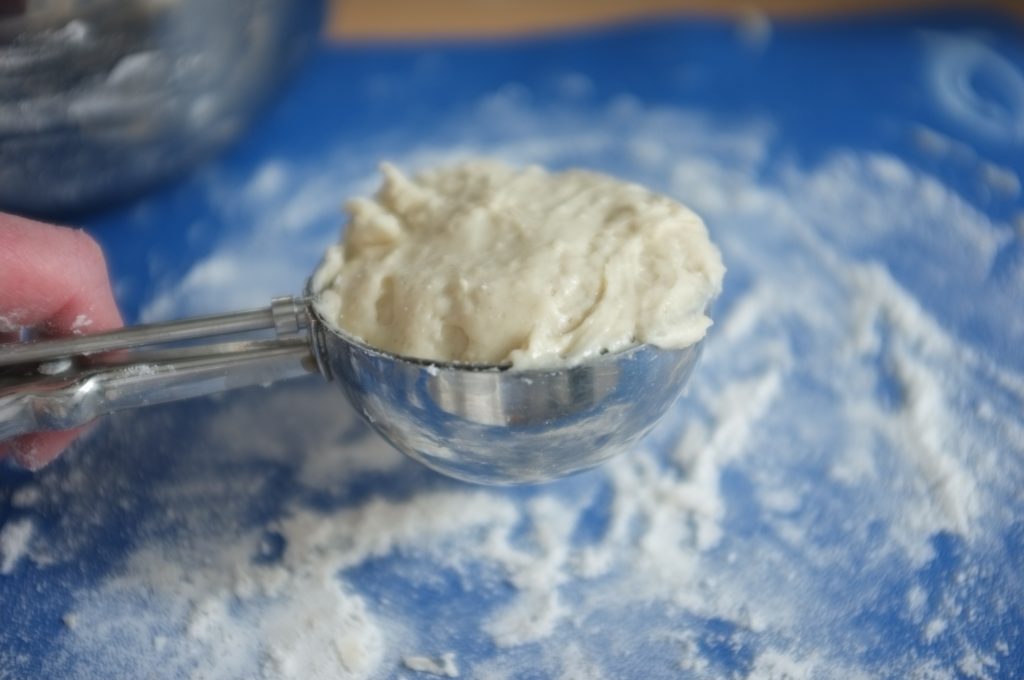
395	19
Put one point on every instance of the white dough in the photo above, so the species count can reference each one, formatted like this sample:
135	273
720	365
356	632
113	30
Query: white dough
486	263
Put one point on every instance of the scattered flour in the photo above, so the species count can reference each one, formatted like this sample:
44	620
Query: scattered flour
26	496
847	434
80	323
977	666
8	325
444	666
1002	180
933	629
576	665
957	62
15	538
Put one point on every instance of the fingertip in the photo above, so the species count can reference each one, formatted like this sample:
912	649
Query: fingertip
36	451
89	249
99	292
92	308
54	278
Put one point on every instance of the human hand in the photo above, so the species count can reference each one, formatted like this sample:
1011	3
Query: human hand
54	280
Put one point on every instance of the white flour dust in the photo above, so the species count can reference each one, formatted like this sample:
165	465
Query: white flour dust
444	666
848	435
81	322
15	537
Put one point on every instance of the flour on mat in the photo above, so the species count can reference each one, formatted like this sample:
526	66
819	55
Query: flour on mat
26	496
844	427
444	666
15	538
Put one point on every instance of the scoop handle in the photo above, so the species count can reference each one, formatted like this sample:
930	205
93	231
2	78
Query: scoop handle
59	384
62	403
288	316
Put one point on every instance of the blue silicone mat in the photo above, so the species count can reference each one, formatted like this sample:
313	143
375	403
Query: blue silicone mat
839	494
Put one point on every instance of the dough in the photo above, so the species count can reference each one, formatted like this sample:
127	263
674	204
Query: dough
486	263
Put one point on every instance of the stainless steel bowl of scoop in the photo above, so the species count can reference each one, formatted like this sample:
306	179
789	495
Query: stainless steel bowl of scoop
484	424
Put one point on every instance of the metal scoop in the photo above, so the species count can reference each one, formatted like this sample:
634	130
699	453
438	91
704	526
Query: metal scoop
480	423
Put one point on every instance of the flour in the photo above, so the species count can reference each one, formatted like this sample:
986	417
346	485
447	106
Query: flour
26	496
15	538
1002	180
933	629
576	665
977	666
81	322
956	64
444	666
848	458
774	666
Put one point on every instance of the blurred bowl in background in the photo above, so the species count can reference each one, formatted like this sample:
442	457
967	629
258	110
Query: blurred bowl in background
101	99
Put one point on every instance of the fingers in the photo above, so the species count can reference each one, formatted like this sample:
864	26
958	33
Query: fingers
34	451
53	278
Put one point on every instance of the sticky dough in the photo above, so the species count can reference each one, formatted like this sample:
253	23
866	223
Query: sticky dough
483	262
